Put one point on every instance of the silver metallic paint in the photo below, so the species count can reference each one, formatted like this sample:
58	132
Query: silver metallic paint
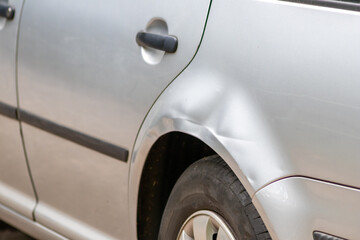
16	191
28	226
78	188
294	207
15	186
279	97
79	66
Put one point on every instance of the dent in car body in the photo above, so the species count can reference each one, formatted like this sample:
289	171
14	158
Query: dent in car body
81	68
273	101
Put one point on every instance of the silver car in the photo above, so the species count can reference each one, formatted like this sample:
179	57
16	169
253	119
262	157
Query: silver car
162	119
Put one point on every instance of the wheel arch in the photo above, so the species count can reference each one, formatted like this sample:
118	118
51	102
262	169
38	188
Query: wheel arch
168	158
224	117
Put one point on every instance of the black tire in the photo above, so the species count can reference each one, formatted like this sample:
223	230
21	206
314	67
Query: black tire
209	184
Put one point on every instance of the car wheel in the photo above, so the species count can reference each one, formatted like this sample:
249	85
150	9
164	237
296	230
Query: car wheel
209	202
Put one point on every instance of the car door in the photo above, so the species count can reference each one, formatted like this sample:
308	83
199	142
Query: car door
85	87
16	191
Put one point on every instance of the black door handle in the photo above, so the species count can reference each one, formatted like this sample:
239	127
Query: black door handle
7	11
165	43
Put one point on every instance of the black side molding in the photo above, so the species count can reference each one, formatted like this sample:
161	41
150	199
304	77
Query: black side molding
352	5
8	111
324	236
82	139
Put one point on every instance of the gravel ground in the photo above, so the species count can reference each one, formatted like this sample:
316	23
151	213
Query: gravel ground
9	233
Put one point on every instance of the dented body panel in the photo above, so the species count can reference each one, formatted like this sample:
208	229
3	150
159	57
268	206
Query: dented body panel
278	99
270	86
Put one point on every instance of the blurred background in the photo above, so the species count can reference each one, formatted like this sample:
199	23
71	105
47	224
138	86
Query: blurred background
9	233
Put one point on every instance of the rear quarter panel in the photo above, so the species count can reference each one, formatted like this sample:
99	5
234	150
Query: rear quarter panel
273	90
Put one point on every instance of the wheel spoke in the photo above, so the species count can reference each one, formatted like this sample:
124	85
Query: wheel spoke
203	228
184	236
205	225
222	235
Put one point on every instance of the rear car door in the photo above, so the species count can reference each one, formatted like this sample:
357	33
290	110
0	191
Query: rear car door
16	191
85	87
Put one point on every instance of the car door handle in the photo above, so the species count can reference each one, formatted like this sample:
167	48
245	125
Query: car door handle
7	11
161	42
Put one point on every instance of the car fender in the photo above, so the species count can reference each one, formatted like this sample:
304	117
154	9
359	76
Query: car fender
219	112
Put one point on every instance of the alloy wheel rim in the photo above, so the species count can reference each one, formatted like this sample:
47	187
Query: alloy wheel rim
205	225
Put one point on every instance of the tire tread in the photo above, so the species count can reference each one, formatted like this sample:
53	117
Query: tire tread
214	171
227	176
